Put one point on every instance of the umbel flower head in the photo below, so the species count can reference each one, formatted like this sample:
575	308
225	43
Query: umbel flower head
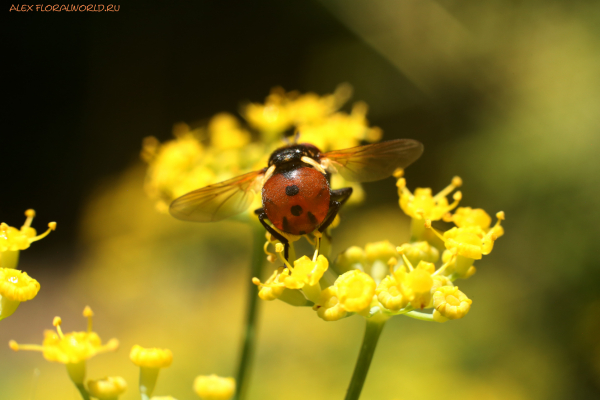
12	240
227	147
382	280
72	347
17	286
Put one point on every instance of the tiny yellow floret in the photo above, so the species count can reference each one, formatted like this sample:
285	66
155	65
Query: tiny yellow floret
329	307
390	295
68	348
16	285
351	258
274	286
419	251
306	272
150	357
213	387
355	290
418	285
12	239
382	251
471	241
423	204
107	388
465	217
450	303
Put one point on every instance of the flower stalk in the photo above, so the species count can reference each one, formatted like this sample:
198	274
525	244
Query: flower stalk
372	332
249	339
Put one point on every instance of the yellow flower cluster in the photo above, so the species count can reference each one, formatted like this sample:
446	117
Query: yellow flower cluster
16	286
74	348
225	147
383	280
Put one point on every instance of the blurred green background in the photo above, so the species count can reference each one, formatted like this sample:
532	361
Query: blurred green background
505	94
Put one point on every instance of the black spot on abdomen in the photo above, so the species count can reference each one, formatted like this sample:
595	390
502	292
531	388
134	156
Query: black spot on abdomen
286	225
312	218
292	190
296	210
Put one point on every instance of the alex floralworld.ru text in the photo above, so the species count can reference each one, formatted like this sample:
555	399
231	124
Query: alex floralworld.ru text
64	7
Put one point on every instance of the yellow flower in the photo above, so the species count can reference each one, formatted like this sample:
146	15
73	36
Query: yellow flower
450	303
340	130
461	267
355	290
381	251
213	387
310	107
389	291
150	361
471	241
283	110
352	258
329	307
107	388
226	133
72	347
274	286
173	163
271	118
465	217
418	283
419	251
17	286
306	272
150	357
423	205
12	239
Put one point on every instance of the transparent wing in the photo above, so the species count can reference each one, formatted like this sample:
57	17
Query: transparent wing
374	161
218	201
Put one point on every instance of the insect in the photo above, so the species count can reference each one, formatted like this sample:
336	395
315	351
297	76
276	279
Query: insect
296	195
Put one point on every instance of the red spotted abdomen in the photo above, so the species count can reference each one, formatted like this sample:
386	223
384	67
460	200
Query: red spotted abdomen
296	201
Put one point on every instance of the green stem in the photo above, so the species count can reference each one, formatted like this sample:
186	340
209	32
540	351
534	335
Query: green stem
148	378
420	316
245	360
372	333
76	372
82	390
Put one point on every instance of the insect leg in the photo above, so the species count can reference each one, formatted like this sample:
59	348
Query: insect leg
341	195
262	215
337	199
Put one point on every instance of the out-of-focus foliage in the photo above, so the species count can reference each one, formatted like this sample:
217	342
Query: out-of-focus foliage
522	83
